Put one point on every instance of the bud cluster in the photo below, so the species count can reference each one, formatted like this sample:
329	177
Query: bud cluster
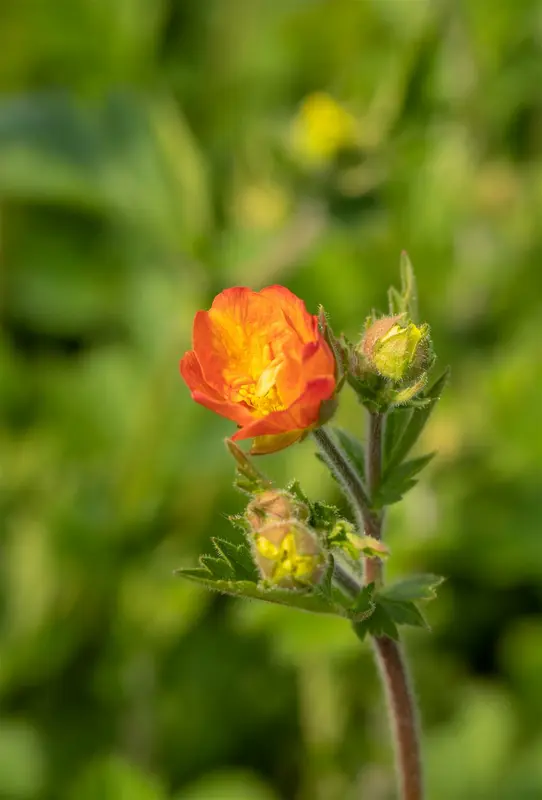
393	357
286	551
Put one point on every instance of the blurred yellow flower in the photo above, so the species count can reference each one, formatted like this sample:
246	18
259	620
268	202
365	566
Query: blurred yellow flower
322	128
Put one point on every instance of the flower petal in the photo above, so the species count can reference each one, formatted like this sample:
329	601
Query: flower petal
299	416
206	395
234	411
294	310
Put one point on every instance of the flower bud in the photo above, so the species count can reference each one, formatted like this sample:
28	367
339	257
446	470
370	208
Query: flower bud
396	349
274	506
288	554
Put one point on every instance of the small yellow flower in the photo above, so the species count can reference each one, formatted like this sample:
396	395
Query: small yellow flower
322	128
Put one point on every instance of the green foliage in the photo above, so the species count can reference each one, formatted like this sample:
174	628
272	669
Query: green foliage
145	164
396	482
405	301
294	598
413	588
353	449
405	432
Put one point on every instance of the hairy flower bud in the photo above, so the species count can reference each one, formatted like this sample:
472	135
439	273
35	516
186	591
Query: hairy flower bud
274	506
396	349
288	554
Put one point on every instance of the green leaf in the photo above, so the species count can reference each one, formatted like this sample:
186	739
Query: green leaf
397	421
304	600
325	587
379	623
409	290
403	612
294	488
352	448
363	606
398	480
417	421
239	557
406	300
218	568
324	516
415	587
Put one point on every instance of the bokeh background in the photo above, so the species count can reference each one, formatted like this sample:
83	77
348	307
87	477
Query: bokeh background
153	152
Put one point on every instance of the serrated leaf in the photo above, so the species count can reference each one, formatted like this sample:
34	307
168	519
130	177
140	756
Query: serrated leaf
415	587
417	421
403	612
294	488
352	448
324	516
379	623
305	601
218	568
398	480
240	558
363	606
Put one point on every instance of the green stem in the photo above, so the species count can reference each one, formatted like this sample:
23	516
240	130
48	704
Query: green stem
337	461
401	702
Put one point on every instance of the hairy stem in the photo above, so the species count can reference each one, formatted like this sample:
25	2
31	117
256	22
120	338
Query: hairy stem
401	701
340	466
403	716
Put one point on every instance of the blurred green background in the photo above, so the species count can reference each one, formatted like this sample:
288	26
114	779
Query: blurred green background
153	152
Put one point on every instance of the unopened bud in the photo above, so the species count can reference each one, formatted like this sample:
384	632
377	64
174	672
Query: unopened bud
395	349
274	506
288	554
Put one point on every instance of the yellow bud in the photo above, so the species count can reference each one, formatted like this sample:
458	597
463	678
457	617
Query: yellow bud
288	554
274	506
395	349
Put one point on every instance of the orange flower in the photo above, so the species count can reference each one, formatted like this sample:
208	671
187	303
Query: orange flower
260	360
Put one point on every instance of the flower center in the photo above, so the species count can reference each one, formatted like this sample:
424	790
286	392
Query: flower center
259	390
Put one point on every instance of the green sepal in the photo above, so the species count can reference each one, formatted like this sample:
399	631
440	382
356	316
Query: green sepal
294	488
369	389
218	568
323	516
248	478
337	347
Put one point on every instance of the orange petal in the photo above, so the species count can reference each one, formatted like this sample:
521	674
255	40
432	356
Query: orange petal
302	414
193	375
206	396
315	360
294	310
233	411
